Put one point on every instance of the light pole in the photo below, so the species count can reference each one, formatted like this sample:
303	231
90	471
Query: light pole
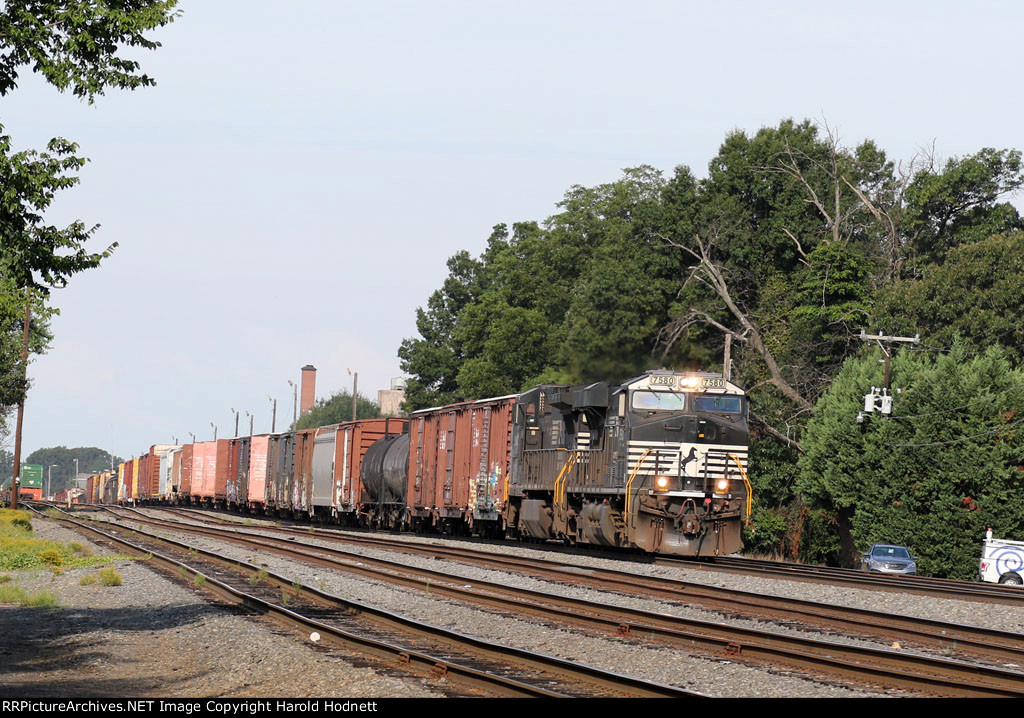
295	403
355	381
76	471
49	480
251	417
214	430
273	417
236	420
193	437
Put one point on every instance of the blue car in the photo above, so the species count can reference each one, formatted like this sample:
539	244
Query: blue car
885	558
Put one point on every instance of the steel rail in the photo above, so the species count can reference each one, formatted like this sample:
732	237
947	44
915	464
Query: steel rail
554	670
917	585
895	668
994	644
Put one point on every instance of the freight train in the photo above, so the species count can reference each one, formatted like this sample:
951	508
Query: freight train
657	463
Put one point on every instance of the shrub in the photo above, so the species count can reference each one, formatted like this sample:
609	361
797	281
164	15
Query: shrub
110	577
51	557
87	580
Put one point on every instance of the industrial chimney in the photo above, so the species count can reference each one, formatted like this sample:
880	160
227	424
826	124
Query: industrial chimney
308	389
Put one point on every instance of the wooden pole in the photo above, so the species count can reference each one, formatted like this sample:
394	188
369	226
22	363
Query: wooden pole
16	480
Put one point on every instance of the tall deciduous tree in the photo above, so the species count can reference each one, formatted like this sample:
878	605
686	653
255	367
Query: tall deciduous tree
76	44
336	410
934	474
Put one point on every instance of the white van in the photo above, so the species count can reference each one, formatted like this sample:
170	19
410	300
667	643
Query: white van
1002	561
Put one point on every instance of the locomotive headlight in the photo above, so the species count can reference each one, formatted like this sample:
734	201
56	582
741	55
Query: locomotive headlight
661	483
690	382
722	485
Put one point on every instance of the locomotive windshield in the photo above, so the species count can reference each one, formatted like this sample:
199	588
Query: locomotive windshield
718	402
658	401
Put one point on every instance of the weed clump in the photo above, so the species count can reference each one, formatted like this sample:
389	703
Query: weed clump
18	595
51	557
110	577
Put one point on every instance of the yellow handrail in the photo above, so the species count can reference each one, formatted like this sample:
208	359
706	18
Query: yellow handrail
563	476
746	483
629	482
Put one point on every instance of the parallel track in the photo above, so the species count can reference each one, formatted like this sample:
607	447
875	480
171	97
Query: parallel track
410	645
892	668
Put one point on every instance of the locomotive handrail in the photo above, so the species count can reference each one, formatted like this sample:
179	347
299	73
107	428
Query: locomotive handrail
629	481
746	483
563	476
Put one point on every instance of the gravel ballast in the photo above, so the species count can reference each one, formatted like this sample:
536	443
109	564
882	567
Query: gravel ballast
153	637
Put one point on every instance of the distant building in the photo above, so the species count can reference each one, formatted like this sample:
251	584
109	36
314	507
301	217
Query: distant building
390	400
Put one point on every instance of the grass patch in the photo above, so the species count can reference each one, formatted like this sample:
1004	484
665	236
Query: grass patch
258	578
19	549
87	580
110	577
200	580
16	594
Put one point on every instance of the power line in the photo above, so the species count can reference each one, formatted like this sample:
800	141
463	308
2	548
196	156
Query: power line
957	441
944	411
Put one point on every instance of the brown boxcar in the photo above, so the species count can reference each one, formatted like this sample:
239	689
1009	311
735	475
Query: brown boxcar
203	453
300	479
125	493
459	463
238	471
144	481
210	471
259	447
279	460
222	470
185	487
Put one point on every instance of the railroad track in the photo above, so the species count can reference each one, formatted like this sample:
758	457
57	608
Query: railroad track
940	676
406	644
917	585
989	644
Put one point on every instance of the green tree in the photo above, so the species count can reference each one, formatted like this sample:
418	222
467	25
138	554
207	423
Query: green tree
91	460
336	410
977	294
75	44
6	465
960	205
434	359
944	466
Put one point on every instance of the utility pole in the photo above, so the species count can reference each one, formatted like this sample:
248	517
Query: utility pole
295	403
727	363
16	478
883	401
355	383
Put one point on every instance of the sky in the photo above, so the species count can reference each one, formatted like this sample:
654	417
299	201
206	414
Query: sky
290	190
